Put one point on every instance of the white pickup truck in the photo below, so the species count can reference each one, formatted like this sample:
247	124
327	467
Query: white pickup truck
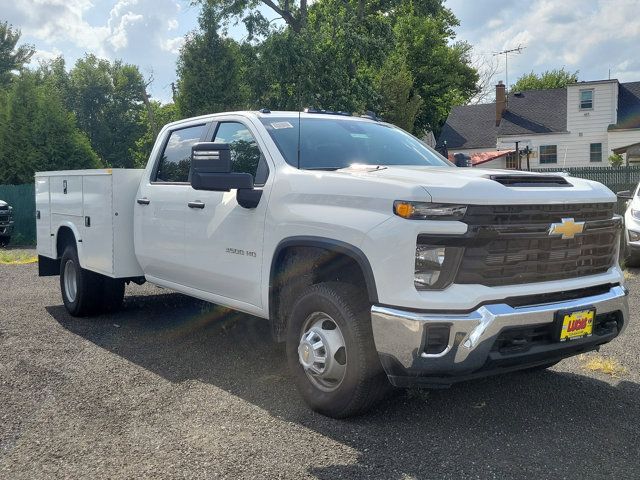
376	260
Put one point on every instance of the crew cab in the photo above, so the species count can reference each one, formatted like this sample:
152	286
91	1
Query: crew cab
376	260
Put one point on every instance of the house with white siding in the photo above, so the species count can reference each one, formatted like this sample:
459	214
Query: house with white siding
576	126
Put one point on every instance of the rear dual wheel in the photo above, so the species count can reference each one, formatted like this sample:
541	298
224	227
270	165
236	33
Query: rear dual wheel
84	292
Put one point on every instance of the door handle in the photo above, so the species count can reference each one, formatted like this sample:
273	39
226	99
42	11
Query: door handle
196	204
143	201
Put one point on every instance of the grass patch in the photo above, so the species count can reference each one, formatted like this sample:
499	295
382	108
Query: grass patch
608	366
17	257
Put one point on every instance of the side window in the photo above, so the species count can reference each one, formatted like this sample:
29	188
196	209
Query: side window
176	158
245	154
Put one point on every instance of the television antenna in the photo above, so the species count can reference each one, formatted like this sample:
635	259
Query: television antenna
506	53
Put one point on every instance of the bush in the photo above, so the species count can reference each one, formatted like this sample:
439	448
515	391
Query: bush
616	160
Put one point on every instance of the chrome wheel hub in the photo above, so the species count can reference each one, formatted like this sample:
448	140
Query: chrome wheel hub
70	281
322	352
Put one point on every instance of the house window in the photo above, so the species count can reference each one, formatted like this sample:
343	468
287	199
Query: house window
595	152
586	99
548	154
511	162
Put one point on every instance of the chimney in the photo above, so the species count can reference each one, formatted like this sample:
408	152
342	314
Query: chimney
501	101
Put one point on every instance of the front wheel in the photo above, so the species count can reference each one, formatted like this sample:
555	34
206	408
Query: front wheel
331	352
631	258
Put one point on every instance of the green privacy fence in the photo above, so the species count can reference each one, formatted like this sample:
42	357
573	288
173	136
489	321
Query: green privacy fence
22	199
616	178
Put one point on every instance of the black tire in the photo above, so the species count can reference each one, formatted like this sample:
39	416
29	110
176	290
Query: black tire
631	259
86	299
364	383
112	294
4	241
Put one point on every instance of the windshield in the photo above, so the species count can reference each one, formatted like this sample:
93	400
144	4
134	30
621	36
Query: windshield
330	144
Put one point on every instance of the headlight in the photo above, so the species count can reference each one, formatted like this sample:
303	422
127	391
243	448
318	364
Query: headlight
428	211
635	214
435	266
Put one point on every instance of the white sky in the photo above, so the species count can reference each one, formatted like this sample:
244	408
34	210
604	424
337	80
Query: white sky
586	35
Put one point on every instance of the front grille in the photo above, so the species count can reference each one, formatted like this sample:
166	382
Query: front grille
510	244
4	218
537	258
536	214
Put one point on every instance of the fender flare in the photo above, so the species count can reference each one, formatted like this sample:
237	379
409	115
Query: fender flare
333	245
76	233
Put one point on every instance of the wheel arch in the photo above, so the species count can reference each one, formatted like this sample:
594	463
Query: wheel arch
316	248
68	233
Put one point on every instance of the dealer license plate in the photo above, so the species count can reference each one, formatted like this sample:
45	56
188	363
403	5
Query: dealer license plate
577	324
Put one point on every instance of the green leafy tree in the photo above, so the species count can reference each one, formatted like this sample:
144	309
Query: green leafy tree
12	57
107	99
209	77
333	54
400	103
550	79
40	133
162	114
292	12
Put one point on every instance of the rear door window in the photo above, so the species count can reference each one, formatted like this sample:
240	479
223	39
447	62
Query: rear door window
175	160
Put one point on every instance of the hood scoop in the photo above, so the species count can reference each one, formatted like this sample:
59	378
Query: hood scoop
530	180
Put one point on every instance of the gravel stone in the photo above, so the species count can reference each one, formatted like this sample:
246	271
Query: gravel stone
171	387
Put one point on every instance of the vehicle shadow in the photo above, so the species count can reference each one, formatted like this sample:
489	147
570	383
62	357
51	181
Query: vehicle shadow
518	425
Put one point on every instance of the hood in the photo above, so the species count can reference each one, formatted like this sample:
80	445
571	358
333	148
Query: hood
476	185
3	203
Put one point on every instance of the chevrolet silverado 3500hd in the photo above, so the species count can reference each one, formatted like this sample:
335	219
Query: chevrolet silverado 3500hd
376	260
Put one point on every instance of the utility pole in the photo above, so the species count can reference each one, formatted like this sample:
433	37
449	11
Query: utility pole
506	53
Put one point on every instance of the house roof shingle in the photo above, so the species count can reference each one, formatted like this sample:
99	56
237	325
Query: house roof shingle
470	126
535	111
628	106
531	111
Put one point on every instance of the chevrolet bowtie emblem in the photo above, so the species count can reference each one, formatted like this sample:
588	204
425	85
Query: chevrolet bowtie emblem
567	228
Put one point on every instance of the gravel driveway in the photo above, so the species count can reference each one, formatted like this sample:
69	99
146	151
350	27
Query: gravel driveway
172	387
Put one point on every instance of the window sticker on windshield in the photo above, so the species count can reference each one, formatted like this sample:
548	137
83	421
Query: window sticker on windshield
359	135
279	125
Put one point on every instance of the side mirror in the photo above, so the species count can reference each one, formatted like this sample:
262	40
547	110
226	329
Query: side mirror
211	171
625	195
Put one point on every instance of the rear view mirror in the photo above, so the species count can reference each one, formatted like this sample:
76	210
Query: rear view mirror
625	195
211	169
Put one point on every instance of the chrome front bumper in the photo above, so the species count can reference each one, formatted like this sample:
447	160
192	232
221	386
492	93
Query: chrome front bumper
399	335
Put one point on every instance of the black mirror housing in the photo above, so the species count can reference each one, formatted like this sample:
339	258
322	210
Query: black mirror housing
211	157
221	182
211	170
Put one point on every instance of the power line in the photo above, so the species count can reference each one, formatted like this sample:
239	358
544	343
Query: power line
506	53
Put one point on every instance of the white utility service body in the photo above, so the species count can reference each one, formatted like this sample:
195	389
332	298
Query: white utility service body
96	206
258	220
